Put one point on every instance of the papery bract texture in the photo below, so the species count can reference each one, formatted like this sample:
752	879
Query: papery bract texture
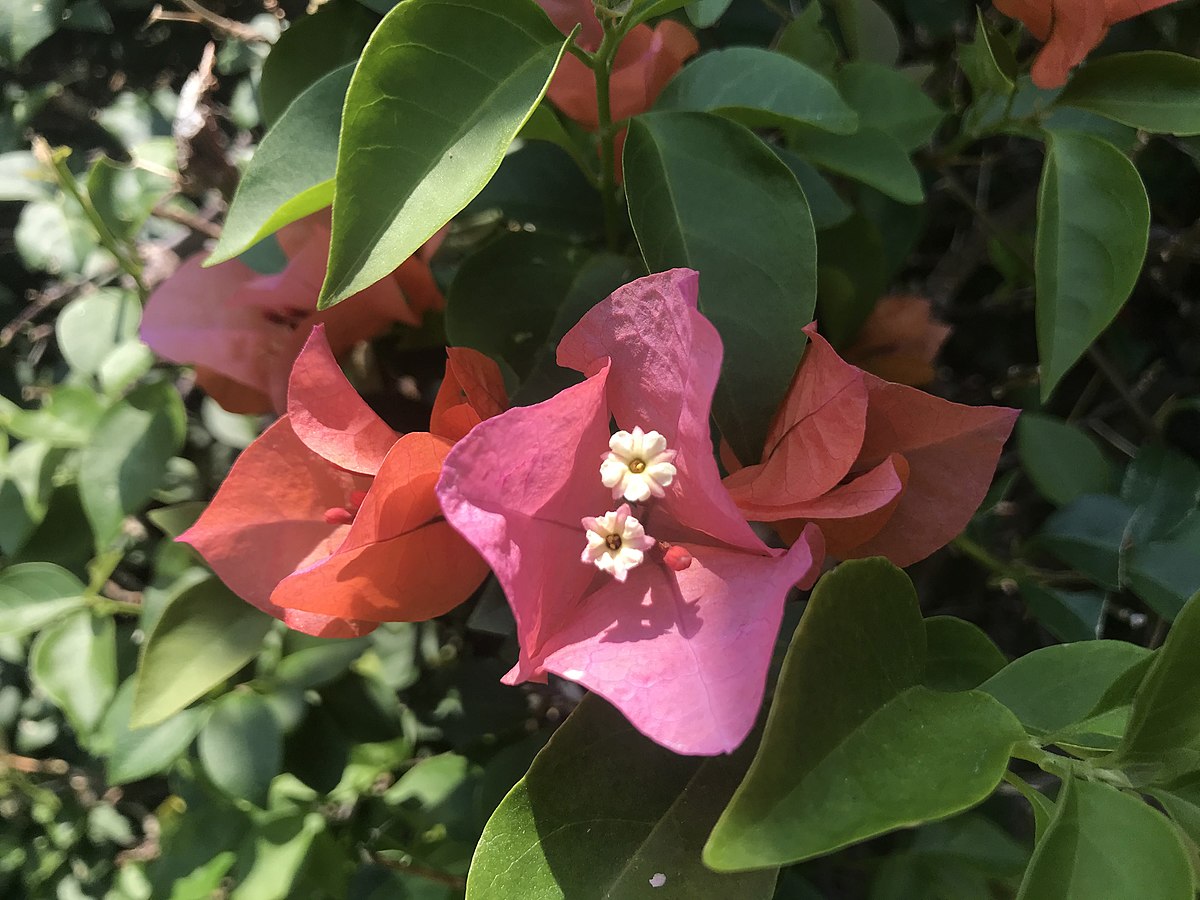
883	469
899	341
683	653
242	330
329	520
1070	30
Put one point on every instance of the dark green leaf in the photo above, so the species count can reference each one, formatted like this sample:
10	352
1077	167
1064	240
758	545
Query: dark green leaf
705	13
988	61
127	457
805	40
603	812
1164	485
851	277
1058	686
136	753
1093	222
74	662
205	635
274	856
1166	709
291	172
959	656
1166	573
505	296
463	76
1068	615
1062	462
869	155
1151	90
34	594
241	747
538	185
855	746
760	89
1106	845
885	99
827	207
24	25
1089	535
868	31
683	172
312	47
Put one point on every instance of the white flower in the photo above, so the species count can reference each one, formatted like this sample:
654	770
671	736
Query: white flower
638	465
616	542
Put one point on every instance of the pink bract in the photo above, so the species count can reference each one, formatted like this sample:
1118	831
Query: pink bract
242	331
329	521
683	654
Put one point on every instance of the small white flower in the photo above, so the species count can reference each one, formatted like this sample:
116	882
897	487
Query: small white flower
638	465
616	542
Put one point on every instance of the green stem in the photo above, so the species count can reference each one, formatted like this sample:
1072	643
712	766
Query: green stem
56	163
977	552
606	133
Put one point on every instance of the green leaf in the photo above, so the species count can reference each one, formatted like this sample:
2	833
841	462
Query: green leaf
868	31
1068	615
35	594
463	76
1061	460
240	746
124	196
505	296
127	457
885	99
828	208
855	746
851	277
68	417
706	193
1089	535
24	25
1166	573
275	854
1092	229
136	753
603	812
52	238
959	656
1104	844
22	178
1166	708
74	662
311	48
988	61
1152	90
1058	686
1164	485
205	635
805	40
705	13
92	326
869	155
760	89
291	172
320	663
1181	800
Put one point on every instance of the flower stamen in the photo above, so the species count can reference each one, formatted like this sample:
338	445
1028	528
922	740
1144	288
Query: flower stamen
638	465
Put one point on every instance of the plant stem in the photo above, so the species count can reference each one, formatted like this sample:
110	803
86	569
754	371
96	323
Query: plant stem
602	66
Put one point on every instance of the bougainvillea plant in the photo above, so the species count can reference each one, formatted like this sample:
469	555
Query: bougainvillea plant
603	448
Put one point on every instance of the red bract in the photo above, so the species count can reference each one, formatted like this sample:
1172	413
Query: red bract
681	646
884	469
242	331
329	521
645	62
899	341
1070	30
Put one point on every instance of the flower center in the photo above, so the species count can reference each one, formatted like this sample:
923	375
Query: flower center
638	465
616	542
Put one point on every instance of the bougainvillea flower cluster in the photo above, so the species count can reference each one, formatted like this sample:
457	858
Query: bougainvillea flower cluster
1070	30
242	330
883	469
329	521
646	60
668	606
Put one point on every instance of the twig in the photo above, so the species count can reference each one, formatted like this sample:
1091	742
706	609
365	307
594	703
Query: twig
31	766
228	27
419	871
1114	377
191	220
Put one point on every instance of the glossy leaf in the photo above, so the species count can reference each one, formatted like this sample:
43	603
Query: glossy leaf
205	635
127	457
855	746
683	172
869	155
241	746
490	61
1061	460
1152	90
1093	222
760	89
1102	843
74	662
291	172
605	812
35	594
